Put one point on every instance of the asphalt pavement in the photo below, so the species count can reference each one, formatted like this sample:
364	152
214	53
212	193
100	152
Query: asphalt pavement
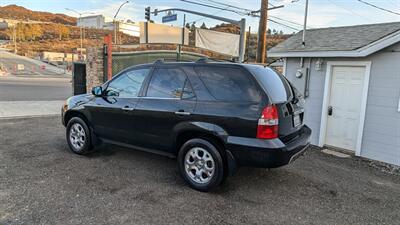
42	182
34	88
32	96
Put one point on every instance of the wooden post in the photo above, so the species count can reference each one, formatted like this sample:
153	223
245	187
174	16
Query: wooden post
108	43
262	33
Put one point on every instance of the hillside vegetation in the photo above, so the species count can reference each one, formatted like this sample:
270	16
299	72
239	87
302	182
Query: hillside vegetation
21	13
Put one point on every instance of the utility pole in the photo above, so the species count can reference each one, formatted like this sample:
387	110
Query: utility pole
262	32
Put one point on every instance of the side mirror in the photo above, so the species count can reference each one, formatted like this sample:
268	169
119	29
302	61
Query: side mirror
97	91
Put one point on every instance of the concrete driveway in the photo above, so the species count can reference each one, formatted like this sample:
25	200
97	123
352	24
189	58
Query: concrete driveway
42	182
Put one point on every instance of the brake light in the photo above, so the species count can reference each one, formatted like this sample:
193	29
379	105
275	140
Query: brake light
268	123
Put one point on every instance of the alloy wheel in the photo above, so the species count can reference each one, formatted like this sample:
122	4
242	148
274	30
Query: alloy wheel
77	136
199	165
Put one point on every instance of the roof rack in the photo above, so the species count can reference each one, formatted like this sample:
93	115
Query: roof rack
203	60
200	60
159	61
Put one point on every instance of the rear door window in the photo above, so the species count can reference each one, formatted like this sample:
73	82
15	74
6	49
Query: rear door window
166	83
276	86
228	83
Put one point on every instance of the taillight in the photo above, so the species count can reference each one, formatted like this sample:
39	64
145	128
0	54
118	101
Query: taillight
268	123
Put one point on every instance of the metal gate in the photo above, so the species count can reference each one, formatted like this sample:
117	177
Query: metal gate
79	79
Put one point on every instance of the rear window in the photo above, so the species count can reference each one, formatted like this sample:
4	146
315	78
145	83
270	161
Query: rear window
228	83
276	86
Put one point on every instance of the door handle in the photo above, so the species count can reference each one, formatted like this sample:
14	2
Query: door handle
330	110
127	108
182	113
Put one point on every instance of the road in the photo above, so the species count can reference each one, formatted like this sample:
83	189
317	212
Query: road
32	96
34	89
20	65
42	182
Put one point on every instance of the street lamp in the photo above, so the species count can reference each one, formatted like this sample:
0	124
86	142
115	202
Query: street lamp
115	22
79	19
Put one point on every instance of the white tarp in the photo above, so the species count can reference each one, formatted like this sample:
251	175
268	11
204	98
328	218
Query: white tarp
224	43
160	33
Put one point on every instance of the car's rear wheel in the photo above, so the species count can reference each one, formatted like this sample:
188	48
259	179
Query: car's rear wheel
201	164
78	136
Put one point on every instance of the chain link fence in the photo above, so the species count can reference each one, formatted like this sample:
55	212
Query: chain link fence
123	60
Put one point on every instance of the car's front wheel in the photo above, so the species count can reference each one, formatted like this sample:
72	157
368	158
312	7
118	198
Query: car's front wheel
201	164
78	136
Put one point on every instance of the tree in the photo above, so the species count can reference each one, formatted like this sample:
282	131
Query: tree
62	31
203	26
35	31
20	31
192	27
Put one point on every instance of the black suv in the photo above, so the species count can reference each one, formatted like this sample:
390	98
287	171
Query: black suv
213	117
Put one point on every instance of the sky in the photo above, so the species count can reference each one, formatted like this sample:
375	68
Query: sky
322	13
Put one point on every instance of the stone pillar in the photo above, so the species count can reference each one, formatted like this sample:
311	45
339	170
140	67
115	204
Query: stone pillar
94	68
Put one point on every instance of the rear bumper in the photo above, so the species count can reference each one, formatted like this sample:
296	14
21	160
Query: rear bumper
272	153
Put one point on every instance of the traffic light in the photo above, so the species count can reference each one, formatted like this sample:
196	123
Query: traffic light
147	13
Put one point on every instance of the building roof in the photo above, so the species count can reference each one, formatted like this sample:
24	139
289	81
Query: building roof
351	41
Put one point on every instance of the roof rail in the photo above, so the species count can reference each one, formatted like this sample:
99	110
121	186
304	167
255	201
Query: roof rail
159	61
203	60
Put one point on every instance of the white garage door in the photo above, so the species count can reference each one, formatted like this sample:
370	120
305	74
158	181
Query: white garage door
344	107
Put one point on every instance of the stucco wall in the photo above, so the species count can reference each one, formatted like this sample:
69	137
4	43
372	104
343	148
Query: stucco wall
381	137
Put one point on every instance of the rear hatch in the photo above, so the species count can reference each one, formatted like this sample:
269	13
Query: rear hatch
282	94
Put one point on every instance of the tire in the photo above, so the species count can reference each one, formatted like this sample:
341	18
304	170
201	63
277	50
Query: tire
201	165
79	137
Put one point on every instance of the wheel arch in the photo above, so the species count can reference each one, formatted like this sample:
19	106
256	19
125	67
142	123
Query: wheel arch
188	130
210	132
73	113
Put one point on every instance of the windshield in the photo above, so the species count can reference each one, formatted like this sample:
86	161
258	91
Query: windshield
276	86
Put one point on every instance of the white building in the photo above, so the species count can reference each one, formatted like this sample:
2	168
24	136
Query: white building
100	22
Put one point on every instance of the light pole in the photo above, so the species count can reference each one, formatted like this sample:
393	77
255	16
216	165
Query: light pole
81	27
303	42
115	22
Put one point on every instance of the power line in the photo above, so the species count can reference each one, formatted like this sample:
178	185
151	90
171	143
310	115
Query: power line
288	21
241	13
202	18
348	10
287	26
231	6
215	7
377	7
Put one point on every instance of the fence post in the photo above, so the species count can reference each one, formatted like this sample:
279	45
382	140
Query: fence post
94	68
108	44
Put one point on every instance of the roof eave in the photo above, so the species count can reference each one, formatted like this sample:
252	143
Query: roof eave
361	52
